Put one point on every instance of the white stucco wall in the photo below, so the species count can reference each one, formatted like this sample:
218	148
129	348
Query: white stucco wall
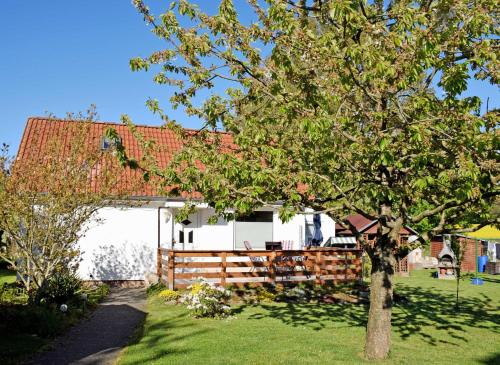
327	227
293	230
123	245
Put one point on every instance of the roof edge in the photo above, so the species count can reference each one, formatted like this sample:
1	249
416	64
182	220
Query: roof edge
102	122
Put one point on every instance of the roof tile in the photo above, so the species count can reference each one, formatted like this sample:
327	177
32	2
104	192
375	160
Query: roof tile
39	131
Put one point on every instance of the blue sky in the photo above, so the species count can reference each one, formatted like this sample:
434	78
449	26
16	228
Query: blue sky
61	56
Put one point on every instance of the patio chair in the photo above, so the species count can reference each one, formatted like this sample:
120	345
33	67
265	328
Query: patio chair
248	246
287	245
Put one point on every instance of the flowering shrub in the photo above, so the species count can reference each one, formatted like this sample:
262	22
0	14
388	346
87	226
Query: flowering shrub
295	294
170	296
264	295
204	299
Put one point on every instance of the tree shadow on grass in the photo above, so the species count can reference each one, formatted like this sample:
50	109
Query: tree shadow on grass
427	313
491	360
161	340
491	279
315	316
433	308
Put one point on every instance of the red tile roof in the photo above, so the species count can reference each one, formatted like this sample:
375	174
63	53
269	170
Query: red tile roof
39	130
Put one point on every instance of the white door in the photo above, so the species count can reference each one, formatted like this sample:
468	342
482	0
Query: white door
186	233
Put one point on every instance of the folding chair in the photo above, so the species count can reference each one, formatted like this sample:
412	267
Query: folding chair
248	246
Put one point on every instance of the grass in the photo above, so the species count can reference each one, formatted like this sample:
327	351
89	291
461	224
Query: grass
7	276
425	330
14	346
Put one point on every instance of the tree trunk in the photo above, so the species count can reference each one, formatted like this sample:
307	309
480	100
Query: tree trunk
378	334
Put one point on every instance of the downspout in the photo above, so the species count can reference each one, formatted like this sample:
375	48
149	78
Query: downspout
158	224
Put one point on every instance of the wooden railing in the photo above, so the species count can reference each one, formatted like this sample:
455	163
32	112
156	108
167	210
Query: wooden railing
178	268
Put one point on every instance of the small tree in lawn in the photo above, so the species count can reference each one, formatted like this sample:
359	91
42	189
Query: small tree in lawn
335	107
458	246
48	197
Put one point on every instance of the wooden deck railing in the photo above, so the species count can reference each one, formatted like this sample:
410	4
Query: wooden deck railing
178	268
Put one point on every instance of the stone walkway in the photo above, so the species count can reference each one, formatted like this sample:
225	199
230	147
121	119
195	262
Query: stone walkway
100	338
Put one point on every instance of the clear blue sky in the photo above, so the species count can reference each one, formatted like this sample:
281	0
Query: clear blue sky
61	56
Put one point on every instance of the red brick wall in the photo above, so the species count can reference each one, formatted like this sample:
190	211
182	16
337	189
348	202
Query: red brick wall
469	260
436	247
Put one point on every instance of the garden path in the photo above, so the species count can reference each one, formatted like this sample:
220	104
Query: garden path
100	338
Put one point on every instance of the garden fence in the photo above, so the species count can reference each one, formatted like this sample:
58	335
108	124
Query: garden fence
178	268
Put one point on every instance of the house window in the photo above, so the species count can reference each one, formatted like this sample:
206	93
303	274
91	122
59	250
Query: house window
190	236
257	217
255	228
108	144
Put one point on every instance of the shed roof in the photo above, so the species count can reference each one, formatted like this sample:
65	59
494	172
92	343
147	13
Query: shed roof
364	225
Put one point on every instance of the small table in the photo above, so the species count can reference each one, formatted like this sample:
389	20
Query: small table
272	246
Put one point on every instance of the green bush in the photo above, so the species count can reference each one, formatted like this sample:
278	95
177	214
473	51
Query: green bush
155	289
264	295
43	321
96	294
60	288
12	294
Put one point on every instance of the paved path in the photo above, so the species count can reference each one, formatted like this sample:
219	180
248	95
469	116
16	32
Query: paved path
99	339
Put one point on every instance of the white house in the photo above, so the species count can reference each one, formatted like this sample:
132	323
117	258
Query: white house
123	245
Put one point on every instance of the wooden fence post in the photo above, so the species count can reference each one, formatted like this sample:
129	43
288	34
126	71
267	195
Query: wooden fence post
317	267
158	264
171	270
360	267
223	270
272	269
345	266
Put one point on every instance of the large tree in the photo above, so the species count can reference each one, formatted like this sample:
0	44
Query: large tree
342	106
48	197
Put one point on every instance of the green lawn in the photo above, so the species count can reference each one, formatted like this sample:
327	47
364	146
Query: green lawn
7	276
427	330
